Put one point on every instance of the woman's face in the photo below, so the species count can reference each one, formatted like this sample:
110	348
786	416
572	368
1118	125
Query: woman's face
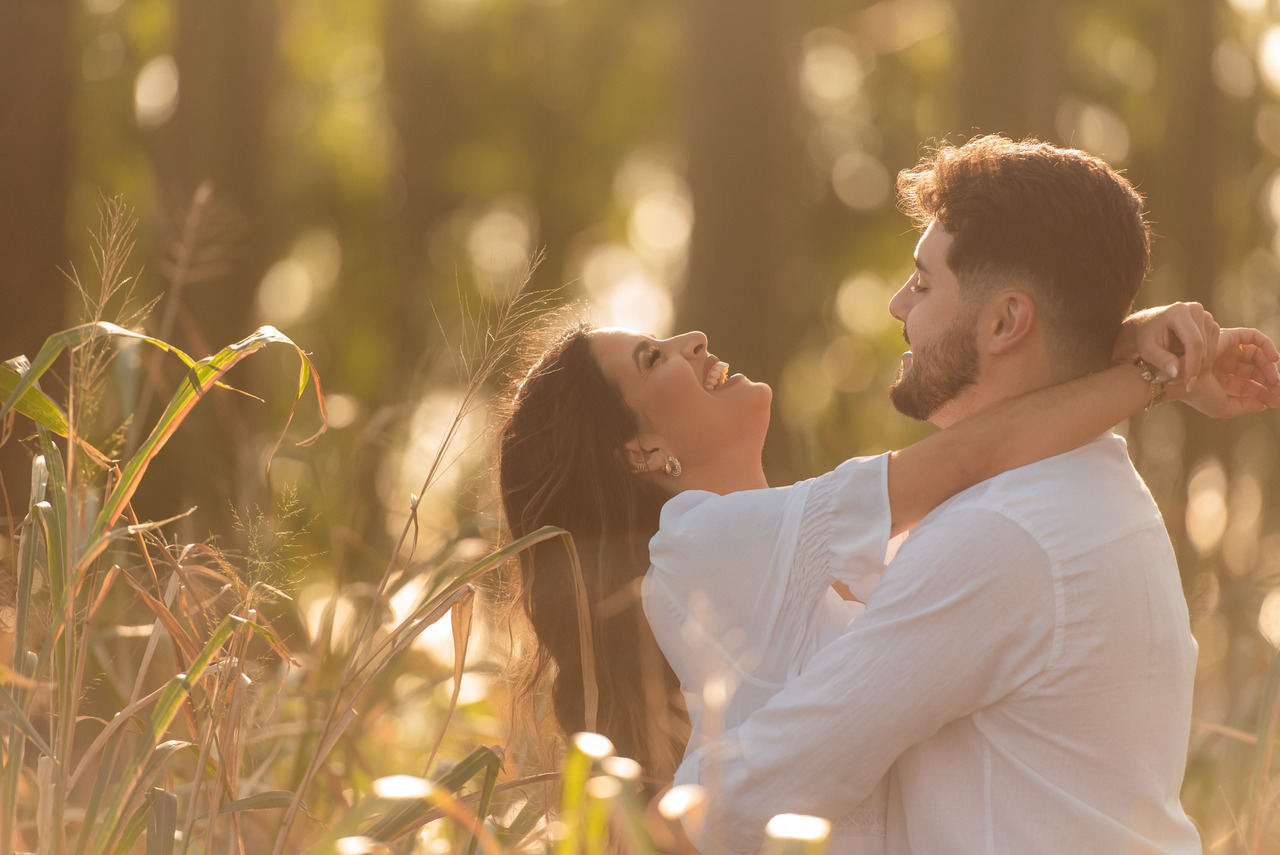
685	401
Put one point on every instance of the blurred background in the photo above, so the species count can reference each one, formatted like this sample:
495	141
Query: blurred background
368	175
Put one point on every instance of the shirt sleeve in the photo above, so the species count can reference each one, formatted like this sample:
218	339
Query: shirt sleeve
845	531
954	625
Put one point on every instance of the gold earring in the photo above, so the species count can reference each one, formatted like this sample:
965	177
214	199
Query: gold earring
673	467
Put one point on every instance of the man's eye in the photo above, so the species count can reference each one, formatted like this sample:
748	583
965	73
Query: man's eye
919	289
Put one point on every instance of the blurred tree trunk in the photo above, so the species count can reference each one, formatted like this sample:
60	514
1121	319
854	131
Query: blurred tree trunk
1011	67
744	167
1189	236
225	53
417	85
36	88
226	64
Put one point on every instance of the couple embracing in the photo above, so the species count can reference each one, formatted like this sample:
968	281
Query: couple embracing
1020	678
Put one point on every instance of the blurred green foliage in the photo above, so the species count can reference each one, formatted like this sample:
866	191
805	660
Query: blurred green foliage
369	175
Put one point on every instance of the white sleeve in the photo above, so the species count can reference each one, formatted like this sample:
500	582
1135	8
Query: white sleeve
845	530
955	625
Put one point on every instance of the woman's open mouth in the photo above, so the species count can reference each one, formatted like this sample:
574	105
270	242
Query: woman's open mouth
716	376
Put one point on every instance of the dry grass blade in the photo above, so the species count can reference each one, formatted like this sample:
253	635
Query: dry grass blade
460	616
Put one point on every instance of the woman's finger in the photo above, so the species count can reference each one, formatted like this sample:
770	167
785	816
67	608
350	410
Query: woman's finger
1212	333
1190	333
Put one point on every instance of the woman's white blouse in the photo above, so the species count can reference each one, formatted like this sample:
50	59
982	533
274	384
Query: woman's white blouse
739	593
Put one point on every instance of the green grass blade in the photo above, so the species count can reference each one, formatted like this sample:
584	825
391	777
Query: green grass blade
60	341
11	712
520	827
262	801
28	548
133	830
405	816
203	375
163	822
482	809
33	403
16	750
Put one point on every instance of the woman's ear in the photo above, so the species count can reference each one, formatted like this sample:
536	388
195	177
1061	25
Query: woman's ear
641	459
1009	319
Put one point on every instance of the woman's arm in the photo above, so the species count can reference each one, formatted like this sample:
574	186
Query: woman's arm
1010	434
1241	378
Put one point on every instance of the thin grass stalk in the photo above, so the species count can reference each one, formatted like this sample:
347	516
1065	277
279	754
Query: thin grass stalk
332	730
117	721
101	782
509	320
173	299
12	770
229	744
396	641
15	739
200	783
1268	718
166	709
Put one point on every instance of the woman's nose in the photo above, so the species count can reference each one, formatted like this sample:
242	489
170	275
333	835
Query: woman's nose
692	343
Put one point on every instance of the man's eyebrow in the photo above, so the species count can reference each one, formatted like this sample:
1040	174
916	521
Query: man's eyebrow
920	264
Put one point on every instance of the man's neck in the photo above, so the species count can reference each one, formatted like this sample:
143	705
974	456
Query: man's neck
995	383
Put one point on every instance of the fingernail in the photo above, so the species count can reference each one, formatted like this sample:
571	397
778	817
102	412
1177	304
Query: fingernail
1172	370
1191	382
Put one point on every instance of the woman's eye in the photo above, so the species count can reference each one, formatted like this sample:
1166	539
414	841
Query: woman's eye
651	357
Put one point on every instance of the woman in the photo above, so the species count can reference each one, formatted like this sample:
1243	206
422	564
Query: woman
608	425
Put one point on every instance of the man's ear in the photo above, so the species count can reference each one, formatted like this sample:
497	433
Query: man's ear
1007	320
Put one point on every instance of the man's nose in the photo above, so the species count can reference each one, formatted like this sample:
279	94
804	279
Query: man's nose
900	304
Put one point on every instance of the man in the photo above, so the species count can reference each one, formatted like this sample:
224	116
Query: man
1024	669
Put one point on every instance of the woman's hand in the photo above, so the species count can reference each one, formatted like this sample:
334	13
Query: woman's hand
1180	339
1242	377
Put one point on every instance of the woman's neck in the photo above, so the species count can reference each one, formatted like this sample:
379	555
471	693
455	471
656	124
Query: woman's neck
724	479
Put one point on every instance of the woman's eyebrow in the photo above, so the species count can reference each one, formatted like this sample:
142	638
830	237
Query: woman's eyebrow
635	354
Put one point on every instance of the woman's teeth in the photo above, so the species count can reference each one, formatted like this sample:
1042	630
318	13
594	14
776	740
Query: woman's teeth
719	372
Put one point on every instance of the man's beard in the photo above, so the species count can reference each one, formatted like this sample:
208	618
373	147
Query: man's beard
938	372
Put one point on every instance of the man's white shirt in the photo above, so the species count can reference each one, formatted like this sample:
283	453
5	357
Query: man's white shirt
1023	672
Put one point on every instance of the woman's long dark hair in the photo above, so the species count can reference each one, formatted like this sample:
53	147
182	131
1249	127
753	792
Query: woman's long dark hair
562	462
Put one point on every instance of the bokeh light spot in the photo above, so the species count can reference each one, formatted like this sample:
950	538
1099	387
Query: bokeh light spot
1269	618
661	223
1269	57
1096	129
862	304
860	181
795	826
830	72
402	787
1207	506
499	243
286	292
1233	70
155	92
